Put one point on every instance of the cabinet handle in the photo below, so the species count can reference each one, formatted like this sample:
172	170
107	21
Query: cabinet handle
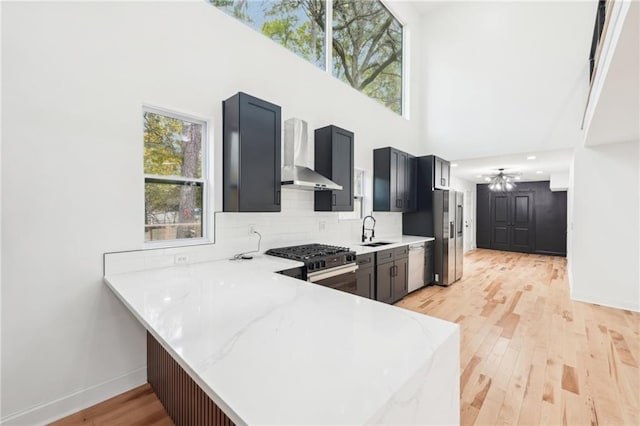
277	197
334	199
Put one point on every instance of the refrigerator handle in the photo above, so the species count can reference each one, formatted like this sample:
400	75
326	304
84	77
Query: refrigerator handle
452	230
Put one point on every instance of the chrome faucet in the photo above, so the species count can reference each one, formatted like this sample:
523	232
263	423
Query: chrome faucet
364	230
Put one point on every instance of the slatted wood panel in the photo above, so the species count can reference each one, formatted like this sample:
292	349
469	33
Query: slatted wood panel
529	354
183	399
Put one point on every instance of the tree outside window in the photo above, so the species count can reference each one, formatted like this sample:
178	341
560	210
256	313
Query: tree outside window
174	184
366	41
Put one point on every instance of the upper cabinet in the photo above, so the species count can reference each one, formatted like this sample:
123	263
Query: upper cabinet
394	180
251	154
434	172
334	160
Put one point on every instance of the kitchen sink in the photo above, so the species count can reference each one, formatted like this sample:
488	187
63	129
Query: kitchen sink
376	244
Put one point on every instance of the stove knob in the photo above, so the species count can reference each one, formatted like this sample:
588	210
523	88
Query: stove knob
323	264
310	266
317	265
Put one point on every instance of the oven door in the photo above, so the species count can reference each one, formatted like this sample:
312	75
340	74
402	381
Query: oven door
341	278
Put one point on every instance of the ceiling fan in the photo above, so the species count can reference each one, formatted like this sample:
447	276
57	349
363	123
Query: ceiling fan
502	181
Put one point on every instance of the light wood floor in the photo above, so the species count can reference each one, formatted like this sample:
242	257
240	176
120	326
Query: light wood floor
529	355
138	407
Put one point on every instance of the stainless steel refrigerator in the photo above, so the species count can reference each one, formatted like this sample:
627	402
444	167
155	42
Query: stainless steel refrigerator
448	230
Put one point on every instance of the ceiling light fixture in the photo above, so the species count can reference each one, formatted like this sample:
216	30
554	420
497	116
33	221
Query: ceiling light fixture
531	157
454	164
539	172
501	182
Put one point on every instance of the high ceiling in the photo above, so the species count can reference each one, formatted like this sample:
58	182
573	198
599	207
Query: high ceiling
531	166
503	78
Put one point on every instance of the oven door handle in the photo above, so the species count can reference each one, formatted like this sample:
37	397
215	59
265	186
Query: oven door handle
333	272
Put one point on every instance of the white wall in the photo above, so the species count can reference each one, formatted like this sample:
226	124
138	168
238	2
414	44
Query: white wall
470	193
504	77
75	76
604	245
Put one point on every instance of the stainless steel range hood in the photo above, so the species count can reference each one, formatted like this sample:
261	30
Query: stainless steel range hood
297	171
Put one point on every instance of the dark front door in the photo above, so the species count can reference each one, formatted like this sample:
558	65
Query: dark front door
522	222
500	235
512	222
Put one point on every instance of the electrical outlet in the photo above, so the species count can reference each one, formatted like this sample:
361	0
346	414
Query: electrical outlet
322	225
181	259
252	228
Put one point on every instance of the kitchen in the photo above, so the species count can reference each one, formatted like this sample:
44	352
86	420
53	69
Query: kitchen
68	342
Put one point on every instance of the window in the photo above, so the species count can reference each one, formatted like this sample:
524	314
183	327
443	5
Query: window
174	183
365	39
297	25
367	50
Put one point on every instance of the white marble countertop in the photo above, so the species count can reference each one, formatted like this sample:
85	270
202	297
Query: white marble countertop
270	349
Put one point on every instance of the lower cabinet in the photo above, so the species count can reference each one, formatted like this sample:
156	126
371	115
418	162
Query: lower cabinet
428	262
392	273
365	276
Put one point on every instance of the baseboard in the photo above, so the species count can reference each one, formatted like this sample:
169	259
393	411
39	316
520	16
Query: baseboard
59	408
550	253
617	304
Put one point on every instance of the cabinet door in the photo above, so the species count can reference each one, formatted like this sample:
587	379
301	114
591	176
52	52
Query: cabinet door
364	286
343	169
437	172
446	171
428	262
411	189
384	279
260	155
441	173
251	155
401	181
400	279
395	197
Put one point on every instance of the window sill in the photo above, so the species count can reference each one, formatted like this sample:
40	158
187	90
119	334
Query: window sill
161	244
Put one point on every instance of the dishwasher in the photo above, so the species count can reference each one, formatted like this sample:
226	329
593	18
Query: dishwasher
416	266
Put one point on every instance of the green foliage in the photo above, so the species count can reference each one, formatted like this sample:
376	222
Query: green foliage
172	147
366	41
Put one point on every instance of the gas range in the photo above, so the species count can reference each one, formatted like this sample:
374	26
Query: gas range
316	257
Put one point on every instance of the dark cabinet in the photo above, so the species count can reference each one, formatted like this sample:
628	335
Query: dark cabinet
428	262
394	183
384	282
392	274
334	160
442	173
365	276
433	173
251	154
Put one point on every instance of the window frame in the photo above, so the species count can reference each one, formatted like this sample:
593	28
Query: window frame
328	51
204	181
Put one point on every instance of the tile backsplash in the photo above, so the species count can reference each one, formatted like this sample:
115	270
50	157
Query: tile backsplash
297	223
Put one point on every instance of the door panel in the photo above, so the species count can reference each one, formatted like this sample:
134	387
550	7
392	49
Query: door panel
400	280
500	221
522	224
343	169
384	288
